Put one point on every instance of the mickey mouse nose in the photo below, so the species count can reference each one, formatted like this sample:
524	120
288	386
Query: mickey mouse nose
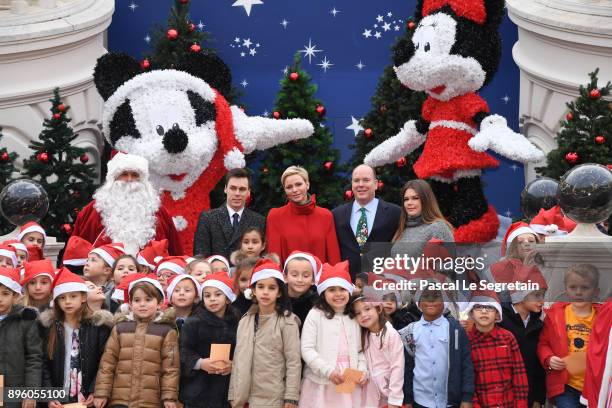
175	140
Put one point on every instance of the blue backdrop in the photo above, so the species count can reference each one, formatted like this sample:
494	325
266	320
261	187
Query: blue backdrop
350	42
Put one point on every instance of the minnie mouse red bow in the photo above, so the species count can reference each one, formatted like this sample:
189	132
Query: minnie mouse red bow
471	9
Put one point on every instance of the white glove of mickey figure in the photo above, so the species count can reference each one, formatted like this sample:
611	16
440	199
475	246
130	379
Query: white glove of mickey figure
496	135
405	142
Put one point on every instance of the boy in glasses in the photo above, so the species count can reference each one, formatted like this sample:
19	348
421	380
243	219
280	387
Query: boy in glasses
499	372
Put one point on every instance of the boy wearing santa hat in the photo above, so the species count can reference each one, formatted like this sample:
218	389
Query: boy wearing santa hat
99	266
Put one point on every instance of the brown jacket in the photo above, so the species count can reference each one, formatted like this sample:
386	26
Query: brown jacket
267	365
141	365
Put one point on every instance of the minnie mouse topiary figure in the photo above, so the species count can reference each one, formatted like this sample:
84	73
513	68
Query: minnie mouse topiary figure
454	52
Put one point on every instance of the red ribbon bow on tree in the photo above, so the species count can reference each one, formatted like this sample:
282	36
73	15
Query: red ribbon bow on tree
471	9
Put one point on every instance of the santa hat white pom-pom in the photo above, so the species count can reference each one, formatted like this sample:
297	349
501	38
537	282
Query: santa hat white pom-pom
234	159
248	293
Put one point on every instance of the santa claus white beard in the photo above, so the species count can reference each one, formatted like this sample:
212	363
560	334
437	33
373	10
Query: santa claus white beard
128	210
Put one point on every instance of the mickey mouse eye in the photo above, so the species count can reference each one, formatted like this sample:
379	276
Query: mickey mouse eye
416	47
160	130
175	126
427	47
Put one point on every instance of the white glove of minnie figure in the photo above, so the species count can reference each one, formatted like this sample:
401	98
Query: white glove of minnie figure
496	135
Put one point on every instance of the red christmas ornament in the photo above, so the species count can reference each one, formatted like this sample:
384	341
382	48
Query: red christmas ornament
368	133
264	170
43	157
383	109
172	34
294	76
600	139
380	185
4	157
61	107
328	165
401	162
84	158
411	25
610	166
184	1
569	116
348	195
595	94
195	48
145	64
571	157
276	114
57	116
66	229
320	110
191	27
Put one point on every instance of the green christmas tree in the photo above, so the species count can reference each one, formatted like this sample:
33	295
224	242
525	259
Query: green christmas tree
392	105
586	132
296	100
180	37
7	168
61	170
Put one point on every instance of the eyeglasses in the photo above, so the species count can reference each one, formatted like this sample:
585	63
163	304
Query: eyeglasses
484	308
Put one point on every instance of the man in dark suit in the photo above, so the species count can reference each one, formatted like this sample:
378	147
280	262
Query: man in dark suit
364	222
219	230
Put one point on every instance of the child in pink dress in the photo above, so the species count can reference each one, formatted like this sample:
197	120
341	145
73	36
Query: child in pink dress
331	343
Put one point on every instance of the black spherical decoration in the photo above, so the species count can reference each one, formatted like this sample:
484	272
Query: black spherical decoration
22	201
585	193
540	193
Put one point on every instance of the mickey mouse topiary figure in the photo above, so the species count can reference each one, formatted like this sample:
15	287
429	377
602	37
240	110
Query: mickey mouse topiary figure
454	52
180	121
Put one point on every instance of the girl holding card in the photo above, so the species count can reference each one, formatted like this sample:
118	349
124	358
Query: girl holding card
204	376
267	366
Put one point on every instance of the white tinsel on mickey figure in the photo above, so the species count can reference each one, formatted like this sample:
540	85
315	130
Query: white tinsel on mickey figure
180	121
455	51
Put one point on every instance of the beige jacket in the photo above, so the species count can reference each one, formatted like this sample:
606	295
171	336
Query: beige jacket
140	367
267	365
320	337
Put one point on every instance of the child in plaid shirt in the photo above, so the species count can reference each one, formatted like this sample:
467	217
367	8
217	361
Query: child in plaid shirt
499	372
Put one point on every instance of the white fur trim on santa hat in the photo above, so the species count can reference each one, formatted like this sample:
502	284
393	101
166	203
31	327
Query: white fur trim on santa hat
19	246
69	287
328	283
234	159
178	279
265	274
227	291
31	228
118	294
106	257
485	302
219	258
143	261
313	263
9	254
153	282
75	262
171	266
519	231
11	284
123	162
548	230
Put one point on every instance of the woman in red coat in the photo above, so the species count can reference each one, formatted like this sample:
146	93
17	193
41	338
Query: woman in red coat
300	225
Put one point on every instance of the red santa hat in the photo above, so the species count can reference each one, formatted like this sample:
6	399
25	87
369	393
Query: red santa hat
109	252
76	252
35	269
176	279
175	264
121	291
516	229
127	162
31	227
335	275
66	281
264	269
535	276
18	245
9	277
152	253
486	298
221	281
315	263
9	252
220	258
140	278
552	222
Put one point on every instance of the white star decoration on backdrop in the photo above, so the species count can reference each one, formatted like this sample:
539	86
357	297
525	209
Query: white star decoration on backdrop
386	26
310	51
367	33
247	4
506	99
379	19
200	26
133	6
355	126
514	167
334	11
325	64
284	23
377	35
285	70
147	39
246	43
244	83
508	213
360	65
380	27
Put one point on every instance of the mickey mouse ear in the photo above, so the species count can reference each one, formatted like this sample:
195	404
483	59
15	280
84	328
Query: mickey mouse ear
210	68
113	70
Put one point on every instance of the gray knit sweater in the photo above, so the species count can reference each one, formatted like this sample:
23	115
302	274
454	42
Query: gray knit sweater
414	238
